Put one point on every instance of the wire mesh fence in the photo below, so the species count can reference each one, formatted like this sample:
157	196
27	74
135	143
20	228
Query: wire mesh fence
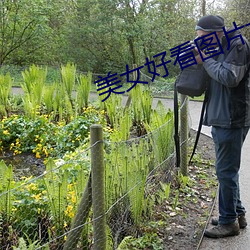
55	209
65	206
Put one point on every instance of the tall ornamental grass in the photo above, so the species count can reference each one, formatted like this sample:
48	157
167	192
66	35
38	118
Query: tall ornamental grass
5	90
34	80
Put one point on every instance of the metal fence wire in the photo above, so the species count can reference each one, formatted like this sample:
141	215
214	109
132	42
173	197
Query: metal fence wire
94	200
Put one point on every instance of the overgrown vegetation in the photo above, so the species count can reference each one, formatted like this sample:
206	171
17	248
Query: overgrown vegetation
38	211
53	123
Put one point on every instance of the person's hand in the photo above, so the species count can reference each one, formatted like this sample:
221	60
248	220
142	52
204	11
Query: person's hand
198	58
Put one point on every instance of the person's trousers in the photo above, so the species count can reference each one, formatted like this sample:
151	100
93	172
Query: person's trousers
228	145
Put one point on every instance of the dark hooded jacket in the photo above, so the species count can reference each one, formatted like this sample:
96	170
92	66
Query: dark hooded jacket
228	103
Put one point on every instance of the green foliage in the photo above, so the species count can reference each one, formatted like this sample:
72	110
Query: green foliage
29	245
164	191
83	90
23	28
100	36
56	187
5	90
120	33
161	126
126	172
114	110
147	241
6	184
141	109
48	98
30	206
33	85
184	181
43	137
127	161
68	74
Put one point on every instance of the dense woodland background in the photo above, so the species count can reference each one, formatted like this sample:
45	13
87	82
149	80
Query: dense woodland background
104	35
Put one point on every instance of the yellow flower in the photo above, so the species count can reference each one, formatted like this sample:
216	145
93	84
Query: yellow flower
69	211
14	209
16	152
37	196
6	132
73	199
31	187
38	155
45	151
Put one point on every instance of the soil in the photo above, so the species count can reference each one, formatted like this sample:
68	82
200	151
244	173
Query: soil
188	221
24	164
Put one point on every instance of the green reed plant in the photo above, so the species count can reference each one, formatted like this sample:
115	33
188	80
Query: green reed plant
6	184
141	104
126	171
58	103
122	126
83	90
146	105
136	95
137	180
65	181
33	85
161	129
114	110
5	90
56	184
48	98
62	105
68	74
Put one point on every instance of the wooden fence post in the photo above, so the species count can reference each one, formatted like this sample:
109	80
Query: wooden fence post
184	135
98	195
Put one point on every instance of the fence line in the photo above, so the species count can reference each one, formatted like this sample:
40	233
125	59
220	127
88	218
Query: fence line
137	185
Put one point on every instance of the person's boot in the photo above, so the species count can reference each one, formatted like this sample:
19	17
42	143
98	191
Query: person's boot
241	219
221	231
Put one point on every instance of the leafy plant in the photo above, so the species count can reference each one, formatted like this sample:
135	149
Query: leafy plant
48	98
164	192
56	187
114	110
147	241
83	91
142	109
5	90
176	199
34	81
68	74
6	184
161	126
43	137
30	208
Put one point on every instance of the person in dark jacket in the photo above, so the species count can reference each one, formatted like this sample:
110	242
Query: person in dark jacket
228	112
